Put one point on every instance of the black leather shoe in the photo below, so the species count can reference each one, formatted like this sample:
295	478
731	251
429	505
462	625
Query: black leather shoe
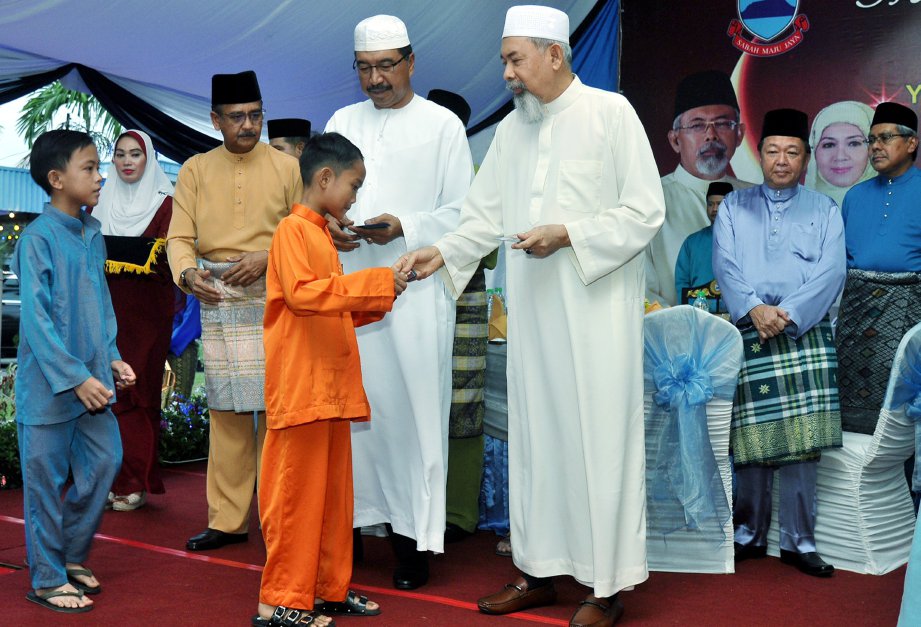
809	563
410	578
213	539
455	533
749	552
413	566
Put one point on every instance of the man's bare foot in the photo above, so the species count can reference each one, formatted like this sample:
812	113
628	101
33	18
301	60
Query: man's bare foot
82	576
265	611
65	601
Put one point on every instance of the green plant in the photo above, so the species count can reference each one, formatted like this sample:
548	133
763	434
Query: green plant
10	471
84	113
184	428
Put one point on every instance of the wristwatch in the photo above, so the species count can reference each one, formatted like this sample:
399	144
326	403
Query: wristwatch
182	280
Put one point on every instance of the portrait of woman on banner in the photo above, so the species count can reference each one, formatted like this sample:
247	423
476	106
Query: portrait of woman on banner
840	158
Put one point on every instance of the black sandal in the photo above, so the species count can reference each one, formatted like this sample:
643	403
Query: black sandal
354	605
290	617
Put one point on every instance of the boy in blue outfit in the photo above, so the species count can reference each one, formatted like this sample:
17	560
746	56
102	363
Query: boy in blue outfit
68	363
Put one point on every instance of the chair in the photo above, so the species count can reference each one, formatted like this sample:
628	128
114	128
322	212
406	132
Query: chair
691	369
865	517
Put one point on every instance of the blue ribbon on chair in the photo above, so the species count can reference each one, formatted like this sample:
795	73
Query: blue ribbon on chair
913	408
681	382
686	468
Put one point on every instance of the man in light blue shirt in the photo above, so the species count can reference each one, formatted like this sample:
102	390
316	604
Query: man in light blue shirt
882	295
778	255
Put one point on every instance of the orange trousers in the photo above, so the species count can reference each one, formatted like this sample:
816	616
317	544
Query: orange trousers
305	504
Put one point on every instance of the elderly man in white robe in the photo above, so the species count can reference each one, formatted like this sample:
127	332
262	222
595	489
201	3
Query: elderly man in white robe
570	177
418	170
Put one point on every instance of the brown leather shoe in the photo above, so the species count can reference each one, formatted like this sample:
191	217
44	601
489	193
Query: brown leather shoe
516	597
596	612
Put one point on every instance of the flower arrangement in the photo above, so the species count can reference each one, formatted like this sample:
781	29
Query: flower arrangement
10	472
184	428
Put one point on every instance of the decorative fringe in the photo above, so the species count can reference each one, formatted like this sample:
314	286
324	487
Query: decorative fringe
117	267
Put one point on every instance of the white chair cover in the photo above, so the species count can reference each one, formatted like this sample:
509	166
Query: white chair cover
691	369
865	518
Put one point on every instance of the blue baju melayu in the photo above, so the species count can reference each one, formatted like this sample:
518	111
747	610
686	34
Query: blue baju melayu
882	295
66	335
781	247
694	266
882	223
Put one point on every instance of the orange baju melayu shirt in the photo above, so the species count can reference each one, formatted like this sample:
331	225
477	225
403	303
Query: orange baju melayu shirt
312	389
312	370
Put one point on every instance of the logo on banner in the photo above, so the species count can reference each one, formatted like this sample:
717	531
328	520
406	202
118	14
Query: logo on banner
765	21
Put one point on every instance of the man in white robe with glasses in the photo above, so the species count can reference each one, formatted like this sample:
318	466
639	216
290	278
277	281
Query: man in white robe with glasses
570	177
418	170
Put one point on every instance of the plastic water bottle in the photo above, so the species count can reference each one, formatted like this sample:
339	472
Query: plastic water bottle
701	302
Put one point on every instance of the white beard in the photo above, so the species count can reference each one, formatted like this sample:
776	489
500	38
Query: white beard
716	164
530	107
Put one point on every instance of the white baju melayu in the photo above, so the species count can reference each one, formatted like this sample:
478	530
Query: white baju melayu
685	213
418	169
575	335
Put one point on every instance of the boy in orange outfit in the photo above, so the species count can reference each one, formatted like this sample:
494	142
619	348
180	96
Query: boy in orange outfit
313	391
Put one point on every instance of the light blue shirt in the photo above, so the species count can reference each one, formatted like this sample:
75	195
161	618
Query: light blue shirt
882	223
779	247
67	326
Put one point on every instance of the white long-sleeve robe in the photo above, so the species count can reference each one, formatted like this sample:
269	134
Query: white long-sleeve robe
418	169
685	213
575	334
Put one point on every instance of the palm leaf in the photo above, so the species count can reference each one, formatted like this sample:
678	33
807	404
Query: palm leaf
84	113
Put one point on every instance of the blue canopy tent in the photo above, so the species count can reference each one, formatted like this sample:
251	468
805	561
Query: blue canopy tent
150	64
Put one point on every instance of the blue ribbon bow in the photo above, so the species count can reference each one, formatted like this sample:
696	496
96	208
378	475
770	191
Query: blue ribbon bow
686	469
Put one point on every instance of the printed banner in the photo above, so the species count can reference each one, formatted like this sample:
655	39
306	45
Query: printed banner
834	59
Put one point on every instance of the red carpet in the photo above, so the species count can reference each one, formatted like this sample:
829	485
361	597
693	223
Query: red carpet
148	579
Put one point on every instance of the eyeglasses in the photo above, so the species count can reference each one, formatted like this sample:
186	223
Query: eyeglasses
885	138
384	67
238	117
721	126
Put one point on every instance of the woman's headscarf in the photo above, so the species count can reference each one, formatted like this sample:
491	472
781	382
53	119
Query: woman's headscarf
127	208
847	112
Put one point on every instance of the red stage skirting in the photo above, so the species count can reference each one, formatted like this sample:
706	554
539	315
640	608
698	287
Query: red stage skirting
149	579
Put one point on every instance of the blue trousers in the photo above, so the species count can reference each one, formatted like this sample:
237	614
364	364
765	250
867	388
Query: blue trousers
60	524
751	512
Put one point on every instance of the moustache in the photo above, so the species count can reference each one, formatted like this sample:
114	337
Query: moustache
378	89
246	134
714	145
513	85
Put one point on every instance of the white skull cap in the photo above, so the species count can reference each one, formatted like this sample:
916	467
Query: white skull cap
536	21
381	32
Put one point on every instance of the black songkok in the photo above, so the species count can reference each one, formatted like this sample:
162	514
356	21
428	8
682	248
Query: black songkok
718	188
703	89
894	113
452	101
785	123
288	127
235	88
